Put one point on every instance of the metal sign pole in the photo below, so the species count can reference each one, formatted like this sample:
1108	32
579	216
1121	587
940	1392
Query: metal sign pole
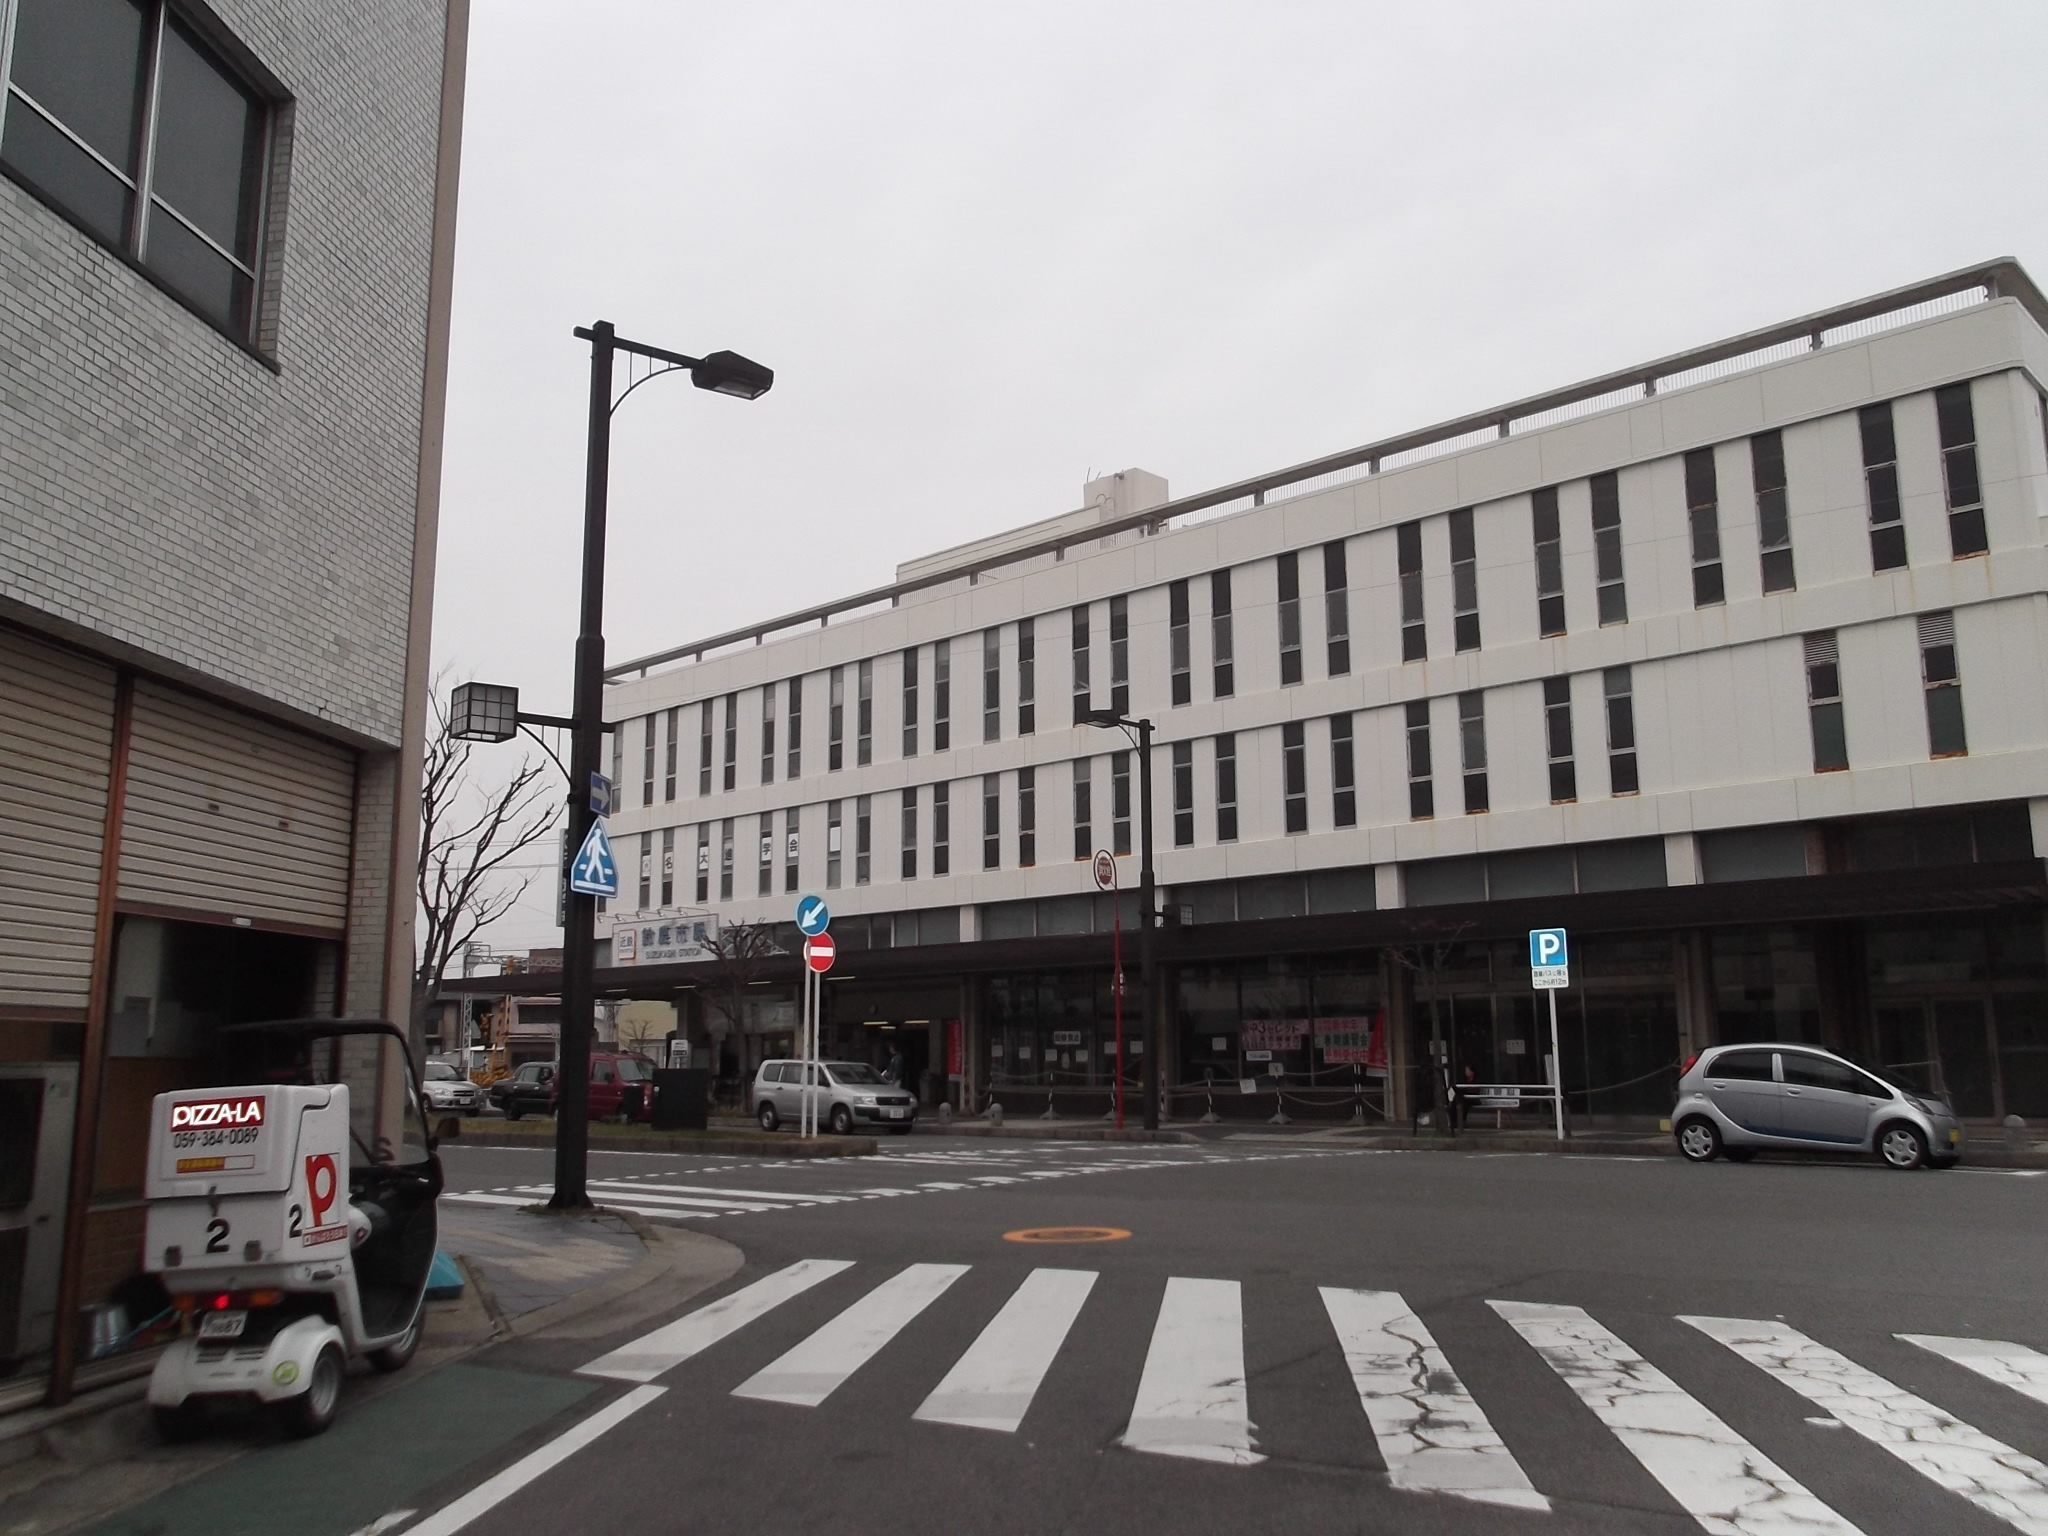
1556	1068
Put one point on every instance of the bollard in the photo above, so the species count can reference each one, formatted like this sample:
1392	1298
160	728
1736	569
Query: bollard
995	1113
2015	1134
946	1112
1209	1115
1050	1112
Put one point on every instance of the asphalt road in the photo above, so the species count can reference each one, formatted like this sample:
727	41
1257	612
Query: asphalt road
1297	1339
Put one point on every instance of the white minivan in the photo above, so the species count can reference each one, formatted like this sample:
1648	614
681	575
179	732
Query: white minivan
854	1095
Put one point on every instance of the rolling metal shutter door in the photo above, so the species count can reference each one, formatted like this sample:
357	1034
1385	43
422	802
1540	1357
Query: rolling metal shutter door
230	814
56	732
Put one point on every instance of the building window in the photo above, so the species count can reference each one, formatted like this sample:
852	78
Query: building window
1612	594
646	871
1943	682
1290	619
864	715
1294	775
1220	637
1183	794
1958	425
703	862
1177	649
991	821
942	696
790	844
1421	789
835	721
725	860
1881	485
1619	689
1027	677
1557	739
1773	510
1120	655
118	116
1027	817
765	881
1464	582
1408	559
768	734
1472	748
835	835
1703	512
668	866
991	684
618	735
1824	703
1549	562
1083	690
732	740
1226	789
942	829
863	838
1343	773
1336	608
909	703
647	745
796	727
910	833
672	722
1120	802
1084	808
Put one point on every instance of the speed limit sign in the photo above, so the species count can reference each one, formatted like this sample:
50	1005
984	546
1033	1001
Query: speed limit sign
1105	870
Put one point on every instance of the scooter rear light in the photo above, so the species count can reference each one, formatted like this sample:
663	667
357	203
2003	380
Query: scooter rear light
221	1302
266	1298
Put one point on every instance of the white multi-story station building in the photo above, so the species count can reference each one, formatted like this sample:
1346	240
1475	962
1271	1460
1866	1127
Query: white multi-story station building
1732	663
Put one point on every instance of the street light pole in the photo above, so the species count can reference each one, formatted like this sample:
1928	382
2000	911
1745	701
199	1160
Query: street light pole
586	735
1147	913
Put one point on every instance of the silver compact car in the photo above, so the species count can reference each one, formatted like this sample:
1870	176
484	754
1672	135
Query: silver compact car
854	1095
1735	1101
444	1088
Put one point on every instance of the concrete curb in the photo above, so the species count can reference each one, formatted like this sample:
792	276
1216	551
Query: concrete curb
1043	1130
731	1146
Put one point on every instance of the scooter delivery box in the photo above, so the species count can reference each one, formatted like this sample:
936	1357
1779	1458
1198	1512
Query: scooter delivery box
246	1176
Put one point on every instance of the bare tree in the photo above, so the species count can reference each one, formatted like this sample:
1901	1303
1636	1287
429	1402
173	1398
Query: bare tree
741	951
468	840
639	1034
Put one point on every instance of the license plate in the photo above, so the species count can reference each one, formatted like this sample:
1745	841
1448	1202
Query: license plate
222	1325
895	1114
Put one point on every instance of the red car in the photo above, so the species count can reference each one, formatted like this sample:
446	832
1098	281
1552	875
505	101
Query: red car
621	1087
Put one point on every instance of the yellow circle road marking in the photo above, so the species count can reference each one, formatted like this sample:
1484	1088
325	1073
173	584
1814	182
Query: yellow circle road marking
1066	1235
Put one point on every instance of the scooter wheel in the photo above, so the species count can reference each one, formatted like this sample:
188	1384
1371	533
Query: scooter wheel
392	1357
311	1411
176	1426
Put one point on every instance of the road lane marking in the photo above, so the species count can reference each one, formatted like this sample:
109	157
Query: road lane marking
992	1385
1191	1398
1933	1442
2010	1365
655	1196
673	1343
492	1492
809	1373
784	1196
1718	1477
1434	1437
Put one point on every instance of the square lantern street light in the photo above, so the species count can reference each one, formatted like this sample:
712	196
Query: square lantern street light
483	712
1109	719
727	373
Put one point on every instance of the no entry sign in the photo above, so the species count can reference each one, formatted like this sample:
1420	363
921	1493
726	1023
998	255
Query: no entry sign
818	952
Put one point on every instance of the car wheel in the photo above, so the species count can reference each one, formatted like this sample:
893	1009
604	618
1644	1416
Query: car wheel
1699	1141
842	1120
1738	1154
1902	1146
392	1357
177	1426
312	1410
767	1116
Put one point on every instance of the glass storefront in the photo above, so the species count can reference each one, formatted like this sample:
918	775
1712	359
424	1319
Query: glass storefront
1057	1029
1959	1007
1300	1021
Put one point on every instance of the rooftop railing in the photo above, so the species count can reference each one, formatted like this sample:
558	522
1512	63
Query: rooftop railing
2003	278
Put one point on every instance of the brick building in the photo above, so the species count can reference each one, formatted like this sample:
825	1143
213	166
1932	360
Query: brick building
226	238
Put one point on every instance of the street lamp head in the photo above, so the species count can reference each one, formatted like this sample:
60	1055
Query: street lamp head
727	373
483	712
1104	717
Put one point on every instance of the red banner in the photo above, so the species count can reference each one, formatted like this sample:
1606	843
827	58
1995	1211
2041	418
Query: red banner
956	1049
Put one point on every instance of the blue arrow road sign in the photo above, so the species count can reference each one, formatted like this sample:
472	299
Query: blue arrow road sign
1547	947
601	791
813	917
594	872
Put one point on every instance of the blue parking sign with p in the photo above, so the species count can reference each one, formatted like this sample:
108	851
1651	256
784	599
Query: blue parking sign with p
1547	948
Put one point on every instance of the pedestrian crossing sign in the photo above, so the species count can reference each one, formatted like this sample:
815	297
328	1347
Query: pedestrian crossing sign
594	872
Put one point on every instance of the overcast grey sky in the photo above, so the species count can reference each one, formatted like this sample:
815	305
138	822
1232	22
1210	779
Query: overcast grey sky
988	248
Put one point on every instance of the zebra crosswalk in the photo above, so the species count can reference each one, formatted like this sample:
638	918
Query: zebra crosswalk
1193	1396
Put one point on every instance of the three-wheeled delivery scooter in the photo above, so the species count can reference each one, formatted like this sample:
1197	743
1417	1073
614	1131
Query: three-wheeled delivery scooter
291	1218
